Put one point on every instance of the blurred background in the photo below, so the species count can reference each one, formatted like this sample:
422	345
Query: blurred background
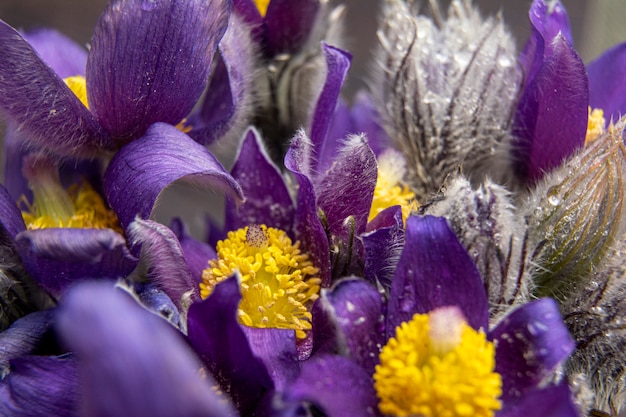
597	24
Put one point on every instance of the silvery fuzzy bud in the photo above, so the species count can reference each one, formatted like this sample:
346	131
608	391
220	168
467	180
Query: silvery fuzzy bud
576	214
446	91
486	224
595	315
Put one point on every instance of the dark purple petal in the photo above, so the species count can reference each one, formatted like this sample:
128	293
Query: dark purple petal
217	337
530	343
288	24
56	258
383	246
307	226
248	10
62	54
227	105
267	197
551	117
23	336
14	152
435	271
337	64
277	349
607	78
142	169
150	61
157	301
162	255
338	386
551	401
131	362
10	217
327	335
42	108
40	386
196	253
358	307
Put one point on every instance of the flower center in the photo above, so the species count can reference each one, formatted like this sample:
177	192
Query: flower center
390	190
78	85
262	6
595	125
80	206
278	282
437	365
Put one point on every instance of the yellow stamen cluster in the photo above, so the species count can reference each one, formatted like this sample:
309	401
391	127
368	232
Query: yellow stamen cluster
278	282
78	207
262	6
390	190
78	85
595	124
424	373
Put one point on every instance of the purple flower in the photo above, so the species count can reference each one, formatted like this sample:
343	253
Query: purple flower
435	276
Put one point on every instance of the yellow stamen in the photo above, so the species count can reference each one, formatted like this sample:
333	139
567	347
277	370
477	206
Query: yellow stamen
78	85
595	124
278	282
390	190
437	365
78	207
184	127
262	6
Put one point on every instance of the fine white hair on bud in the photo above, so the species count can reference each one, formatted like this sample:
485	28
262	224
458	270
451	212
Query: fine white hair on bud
486	224
594	314
576	214
446	91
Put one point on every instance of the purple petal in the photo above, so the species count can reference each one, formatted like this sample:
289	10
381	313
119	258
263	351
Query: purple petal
383	246
40	386
196	253
289	23
11	219
308	228
62	54
366	119
551	117
552	401
530	343
337	64
327	335
162	253
267	197
41	106
358	307
277	349
131	362
23	337
435	271
338	386
57	258
607	78
142	169
227	105
14	152
248	10
150	61
219	340
340	127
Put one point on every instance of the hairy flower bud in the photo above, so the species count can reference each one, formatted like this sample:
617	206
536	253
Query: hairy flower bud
446	90
485	223
576	214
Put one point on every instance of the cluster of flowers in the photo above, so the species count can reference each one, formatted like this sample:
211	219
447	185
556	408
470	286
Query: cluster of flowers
450	245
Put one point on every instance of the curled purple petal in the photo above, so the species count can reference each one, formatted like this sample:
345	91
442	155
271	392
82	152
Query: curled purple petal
530	343
289	23
217	337
338	386
62	54
131	362
43	109
162	255
57	258
40	386
142	169
196	253
607	78
23	337
434	271
150	61
267	198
